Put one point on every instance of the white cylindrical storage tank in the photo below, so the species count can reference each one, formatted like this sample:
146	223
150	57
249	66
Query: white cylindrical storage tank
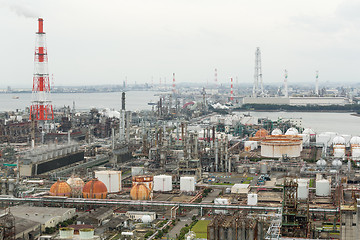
263	168
187	184
162	183
252	199
252	170
137	171
323	188
86	233
66	233
111	179
339	151
303	189
355	152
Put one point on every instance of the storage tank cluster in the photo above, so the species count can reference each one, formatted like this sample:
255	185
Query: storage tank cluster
75	187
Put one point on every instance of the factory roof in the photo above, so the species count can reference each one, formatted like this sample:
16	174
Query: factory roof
24	225
38	214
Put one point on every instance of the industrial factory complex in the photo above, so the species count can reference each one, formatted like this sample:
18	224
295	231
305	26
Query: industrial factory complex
196	166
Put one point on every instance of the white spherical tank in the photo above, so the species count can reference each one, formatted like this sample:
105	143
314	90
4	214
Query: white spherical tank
336	163
323	188
86	233
252	199
146	219
263	168
76	185
305	138
355	140
338	140
111	179
347	139
276	131
303	189
187	184
162	183
321	163
292	131
309	131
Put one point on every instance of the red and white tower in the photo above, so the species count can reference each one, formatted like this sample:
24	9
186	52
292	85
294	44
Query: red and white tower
41	108
216	77
173	85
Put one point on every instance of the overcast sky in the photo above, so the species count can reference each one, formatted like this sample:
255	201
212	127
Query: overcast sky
100	42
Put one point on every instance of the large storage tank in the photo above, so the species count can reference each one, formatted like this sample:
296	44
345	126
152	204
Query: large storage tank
323	188
276	131
323	138
111	179
221	201
66	233
347	138
142	187
355	152
76	185
277	146
163	183
339	150
187	184
252	199
86	233
60	188
95	189
292	131
136	171
303	189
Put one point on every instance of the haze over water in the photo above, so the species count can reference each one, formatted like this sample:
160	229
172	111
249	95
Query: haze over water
343	123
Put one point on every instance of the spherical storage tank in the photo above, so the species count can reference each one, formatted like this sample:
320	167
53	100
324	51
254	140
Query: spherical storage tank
76	185
146	219
355	141
338	140
95	189
111	179
163	183
261	133
323	188
321	163
187	184
60	188
336	163
276	131
142	188
292	131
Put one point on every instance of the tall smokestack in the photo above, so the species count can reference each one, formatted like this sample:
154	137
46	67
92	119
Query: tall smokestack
174	86
41	108
231	90
123	101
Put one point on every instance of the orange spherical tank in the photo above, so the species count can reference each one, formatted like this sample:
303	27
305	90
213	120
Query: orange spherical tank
140	192
94	189
60	188
261	133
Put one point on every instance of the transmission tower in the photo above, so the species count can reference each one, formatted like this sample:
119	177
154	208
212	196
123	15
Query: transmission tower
258	88
317	83
286	93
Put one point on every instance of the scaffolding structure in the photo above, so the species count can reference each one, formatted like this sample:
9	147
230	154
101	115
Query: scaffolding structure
7	226
295	214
